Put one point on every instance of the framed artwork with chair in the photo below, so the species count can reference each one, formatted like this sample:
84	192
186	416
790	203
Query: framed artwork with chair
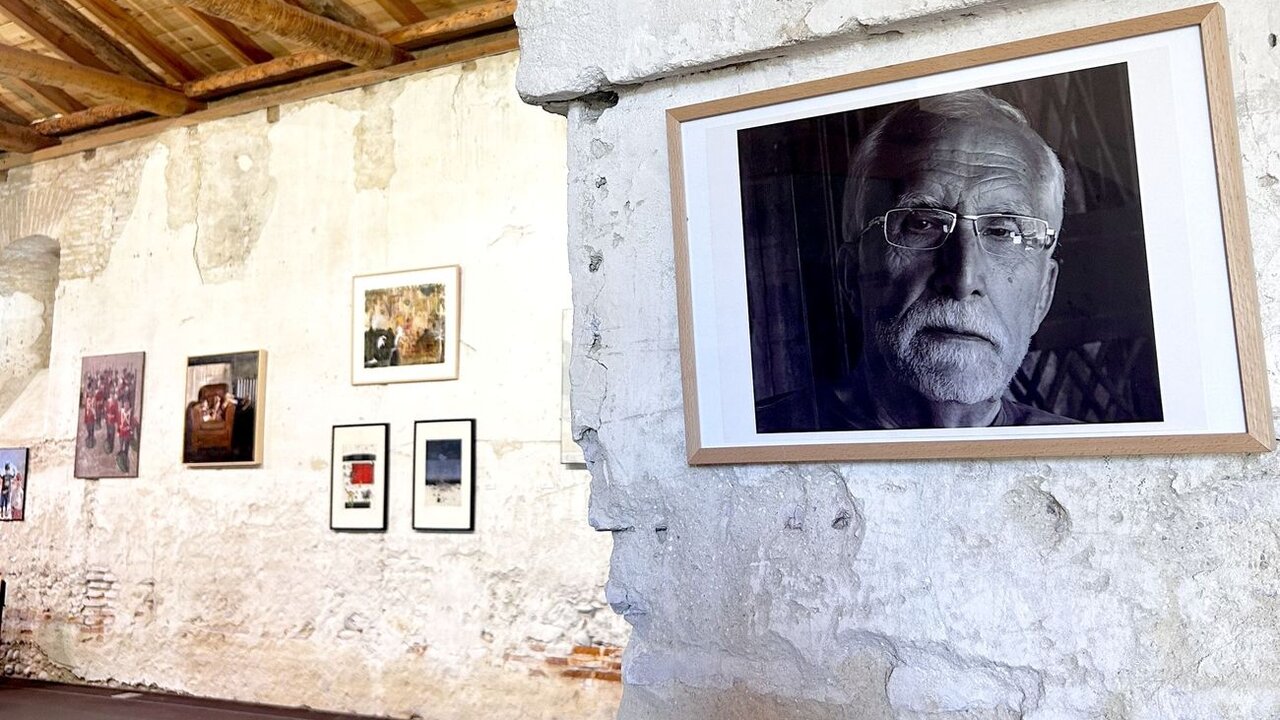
222	419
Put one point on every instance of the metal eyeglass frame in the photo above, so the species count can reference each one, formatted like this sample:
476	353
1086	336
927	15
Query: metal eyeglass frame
955	220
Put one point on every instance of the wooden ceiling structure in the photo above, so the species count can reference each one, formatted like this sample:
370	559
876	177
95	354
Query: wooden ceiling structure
79	74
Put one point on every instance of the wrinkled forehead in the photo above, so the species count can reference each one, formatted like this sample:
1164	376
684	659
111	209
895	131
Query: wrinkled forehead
995	159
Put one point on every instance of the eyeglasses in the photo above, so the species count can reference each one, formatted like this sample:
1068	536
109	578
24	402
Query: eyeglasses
998	233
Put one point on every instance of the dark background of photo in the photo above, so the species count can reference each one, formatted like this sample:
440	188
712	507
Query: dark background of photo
1094	356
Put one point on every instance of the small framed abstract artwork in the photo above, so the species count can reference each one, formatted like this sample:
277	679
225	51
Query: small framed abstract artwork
405	326
1039	248
109	427
444	475
13	483
223	416
358	483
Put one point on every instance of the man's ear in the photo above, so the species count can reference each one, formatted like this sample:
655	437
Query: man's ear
1048	285
847	275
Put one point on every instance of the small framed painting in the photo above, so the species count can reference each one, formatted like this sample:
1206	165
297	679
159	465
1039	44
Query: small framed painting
444	475
222	417
13	483
405	326
109	429
358	483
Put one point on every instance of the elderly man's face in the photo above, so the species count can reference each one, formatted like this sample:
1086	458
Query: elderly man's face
954	323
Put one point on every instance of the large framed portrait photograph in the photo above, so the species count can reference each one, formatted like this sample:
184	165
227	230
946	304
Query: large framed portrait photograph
405	326
109	426
223	414
1039	248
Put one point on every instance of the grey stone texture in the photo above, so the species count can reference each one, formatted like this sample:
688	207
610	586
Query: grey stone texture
1137	588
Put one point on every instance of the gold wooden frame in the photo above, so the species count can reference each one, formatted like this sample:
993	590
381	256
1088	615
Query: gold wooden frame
1258	435
259	427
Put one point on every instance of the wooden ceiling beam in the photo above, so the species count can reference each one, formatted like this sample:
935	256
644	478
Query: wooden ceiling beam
51	35
34	67
61	100
337	11
116	56
22	139
494	15
230	38
403	11
289	22
9	115
123	24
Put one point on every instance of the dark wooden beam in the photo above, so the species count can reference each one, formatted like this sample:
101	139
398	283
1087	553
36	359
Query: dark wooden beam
289	22
9	115
51	35
230	38
337	11
34	67
131	31
22	139
403	11
116	56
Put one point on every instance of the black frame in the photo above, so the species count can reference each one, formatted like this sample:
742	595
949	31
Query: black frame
471	510
386	475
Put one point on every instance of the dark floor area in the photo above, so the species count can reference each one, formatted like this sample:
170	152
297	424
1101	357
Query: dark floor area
32	700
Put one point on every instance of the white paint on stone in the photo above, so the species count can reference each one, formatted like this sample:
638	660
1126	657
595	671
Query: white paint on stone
1120	588
241	234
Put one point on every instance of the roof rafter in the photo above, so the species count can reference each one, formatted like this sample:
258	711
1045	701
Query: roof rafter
116	56
22	139
123	24
290	22
403	11
229	37
34	67
337	11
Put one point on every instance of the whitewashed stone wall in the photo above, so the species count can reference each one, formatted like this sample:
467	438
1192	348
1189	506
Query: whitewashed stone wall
244	234
1118	588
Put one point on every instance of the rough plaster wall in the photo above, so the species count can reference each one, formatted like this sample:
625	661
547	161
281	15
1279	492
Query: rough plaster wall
28	280
243	234
1118	588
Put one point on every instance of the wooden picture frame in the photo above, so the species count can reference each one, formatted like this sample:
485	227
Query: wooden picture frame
800	344
109	420
358	481
14	468
404	326
223	411
444	475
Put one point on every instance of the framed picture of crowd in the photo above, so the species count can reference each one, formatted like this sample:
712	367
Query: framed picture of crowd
109	421
405	326
222	415
1038	248
358	483
444	475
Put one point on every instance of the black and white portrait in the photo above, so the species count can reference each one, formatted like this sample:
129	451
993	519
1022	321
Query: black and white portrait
968	259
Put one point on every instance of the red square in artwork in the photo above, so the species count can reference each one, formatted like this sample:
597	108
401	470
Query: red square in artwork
362	473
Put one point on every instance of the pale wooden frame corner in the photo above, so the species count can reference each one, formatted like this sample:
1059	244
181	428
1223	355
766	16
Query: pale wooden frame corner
456	310
1259	434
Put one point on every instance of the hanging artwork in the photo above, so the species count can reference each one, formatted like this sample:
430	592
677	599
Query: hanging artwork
222	419
444	475
358	481
405	326
109	427
13	483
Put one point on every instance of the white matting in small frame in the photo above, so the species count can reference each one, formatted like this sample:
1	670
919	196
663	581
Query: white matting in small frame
444	475
1155	314
404	326
358	480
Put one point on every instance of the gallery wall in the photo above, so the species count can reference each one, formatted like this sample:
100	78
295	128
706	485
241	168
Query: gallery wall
245	234
1099	587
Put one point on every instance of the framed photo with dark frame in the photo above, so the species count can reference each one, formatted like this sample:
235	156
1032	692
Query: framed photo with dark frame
358	480
1032	249
109	421
404	326
13	483
444	475
223	413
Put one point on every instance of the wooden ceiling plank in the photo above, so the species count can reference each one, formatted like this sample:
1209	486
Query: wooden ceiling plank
338	11
230	38
436	57
403	11
34	67
58	98
470	21
123	24
55	37
289	22
9	115
22	139
106	48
